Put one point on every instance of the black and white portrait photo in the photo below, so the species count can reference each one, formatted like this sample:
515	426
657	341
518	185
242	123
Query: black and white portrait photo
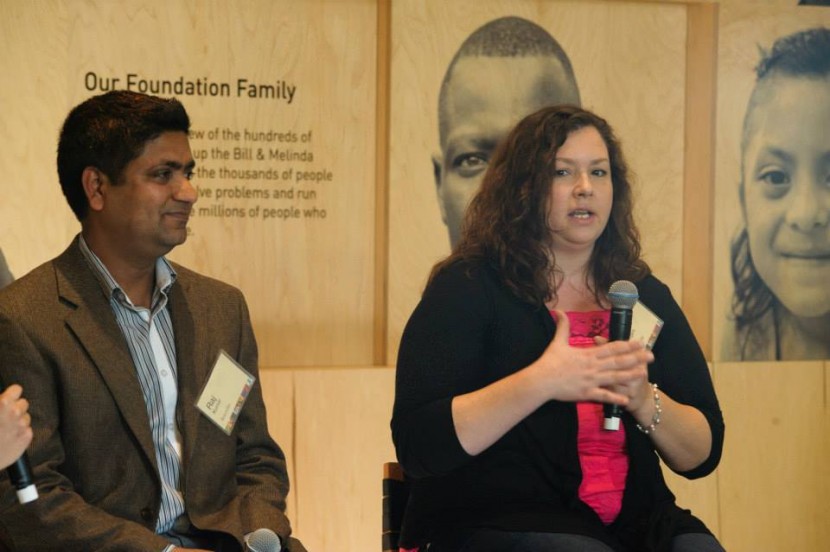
772	298
532	71
780	258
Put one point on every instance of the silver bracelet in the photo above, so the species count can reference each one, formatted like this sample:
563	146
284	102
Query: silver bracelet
655	420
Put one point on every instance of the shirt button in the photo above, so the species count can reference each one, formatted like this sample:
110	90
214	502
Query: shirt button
164	373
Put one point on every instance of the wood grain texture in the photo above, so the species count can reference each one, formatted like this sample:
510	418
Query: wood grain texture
698	495
774	477
310	281
698	174
35	222
384	53
342	441
278	394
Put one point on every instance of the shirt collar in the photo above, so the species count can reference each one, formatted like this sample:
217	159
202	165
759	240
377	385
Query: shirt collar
165	276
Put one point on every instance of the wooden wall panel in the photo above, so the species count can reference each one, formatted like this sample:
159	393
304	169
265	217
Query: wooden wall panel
774	478
698	177
35	221
630	68
278	394
298	236
698	495
384	53
342	440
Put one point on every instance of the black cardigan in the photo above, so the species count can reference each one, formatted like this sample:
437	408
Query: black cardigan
469	331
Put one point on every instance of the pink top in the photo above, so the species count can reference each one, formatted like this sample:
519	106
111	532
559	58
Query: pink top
602	454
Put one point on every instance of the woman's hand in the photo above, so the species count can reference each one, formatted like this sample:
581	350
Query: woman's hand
562	373
637	390
610	372
683	438
15	425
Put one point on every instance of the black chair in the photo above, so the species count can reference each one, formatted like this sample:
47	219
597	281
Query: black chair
395	496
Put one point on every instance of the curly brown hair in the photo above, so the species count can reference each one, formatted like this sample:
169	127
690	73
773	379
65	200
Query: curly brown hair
506	224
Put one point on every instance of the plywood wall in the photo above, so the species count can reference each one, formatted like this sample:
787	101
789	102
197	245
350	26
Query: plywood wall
774	476
283	130
329	295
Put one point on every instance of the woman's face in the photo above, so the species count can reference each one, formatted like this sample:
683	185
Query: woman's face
582	192
786	190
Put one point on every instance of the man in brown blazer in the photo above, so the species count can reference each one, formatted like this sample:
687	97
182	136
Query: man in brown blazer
114	344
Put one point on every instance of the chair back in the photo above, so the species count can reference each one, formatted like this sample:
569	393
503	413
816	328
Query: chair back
395	496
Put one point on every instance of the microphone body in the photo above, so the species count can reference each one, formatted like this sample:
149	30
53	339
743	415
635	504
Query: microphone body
623	296
20	474
262	540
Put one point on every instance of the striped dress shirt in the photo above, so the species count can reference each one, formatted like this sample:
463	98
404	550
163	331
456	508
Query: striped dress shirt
150	338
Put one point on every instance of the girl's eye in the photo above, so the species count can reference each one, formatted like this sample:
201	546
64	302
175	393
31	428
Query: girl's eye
776	182
775	178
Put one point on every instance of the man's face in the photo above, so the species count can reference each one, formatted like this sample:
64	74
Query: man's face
786	190
484	99
146	214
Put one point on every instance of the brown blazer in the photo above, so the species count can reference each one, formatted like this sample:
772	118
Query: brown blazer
92	453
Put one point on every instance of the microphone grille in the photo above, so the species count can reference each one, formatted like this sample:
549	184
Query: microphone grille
623	294
263	540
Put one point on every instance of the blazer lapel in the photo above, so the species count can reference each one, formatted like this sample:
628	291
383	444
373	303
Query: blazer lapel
94	326
191	365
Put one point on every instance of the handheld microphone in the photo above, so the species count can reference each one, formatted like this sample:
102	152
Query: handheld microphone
623	296
262	540
20	474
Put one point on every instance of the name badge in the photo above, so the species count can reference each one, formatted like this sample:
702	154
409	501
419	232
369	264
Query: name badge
225	392
645	325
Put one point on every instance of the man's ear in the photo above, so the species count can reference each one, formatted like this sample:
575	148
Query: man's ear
94	183
437	172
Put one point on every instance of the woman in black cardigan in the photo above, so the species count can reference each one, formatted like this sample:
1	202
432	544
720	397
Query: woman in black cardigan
498	408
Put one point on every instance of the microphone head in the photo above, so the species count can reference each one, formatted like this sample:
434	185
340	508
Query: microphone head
623	295
263	540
